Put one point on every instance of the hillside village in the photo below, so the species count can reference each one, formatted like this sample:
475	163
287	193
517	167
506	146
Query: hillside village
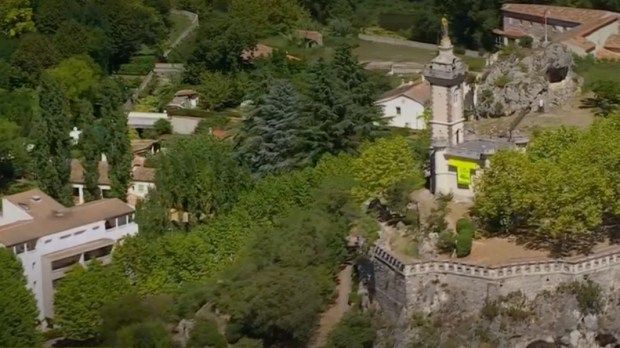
309	173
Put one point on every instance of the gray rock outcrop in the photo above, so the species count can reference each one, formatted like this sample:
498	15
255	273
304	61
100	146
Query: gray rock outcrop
517	83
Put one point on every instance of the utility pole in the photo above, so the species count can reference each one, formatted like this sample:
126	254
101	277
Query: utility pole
546	14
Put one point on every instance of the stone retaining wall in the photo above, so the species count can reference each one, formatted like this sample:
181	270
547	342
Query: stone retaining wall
430	284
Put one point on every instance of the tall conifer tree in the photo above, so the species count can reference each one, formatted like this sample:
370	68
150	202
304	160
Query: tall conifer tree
118	150
50	137
271	139
90	145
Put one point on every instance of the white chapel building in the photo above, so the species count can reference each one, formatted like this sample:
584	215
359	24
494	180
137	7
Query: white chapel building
404	106
457	159
49	239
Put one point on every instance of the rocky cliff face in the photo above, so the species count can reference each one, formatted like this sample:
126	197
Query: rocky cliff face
574	316
517	82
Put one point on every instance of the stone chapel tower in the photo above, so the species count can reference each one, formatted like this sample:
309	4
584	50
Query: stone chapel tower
446	74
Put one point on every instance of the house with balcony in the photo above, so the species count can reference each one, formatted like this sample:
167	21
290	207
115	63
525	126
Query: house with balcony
584	31
49	238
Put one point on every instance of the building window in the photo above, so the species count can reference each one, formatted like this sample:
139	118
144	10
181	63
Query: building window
398	110
31	245
97	253
79	232
96	228
122	220
34	263
65	236
130	218
141	188
66	262
110	223
48	241
19	249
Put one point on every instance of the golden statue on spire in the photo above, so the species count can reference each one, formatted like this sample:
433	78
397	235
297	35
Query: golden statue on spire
445	35
444	27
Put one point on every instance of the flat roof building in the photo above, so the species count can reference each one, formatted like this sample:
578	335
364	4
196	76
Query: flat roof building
49	238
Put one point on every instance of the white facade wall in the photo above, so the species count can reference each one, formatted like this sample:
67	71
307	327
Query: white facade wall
141	188
39	280
601	35
410	113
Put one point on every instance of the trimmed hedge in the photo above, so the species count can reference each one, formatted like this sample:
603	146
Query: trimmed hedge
466	230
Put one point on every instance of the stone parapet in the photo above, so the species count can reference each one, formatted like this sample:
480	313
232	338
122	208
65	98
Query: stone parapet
579	267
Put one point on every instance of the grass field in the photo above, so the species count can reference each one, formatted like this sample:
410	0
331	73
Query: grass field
366	51
593	71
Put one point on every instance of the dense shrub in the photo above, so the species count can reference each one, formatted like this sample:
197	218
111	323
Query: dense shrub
205	333
464	239
526	41
138	65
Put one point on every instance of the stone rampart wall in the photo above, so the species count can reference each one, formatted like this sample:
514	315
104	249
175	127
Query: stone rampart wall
428	285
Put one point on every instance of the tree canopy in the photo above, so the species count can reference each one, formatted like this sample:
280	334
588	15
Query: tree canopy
19	319
544	195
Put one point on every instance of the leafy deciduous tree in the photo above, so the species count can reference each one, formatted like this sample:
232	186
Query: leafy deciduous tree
18	322
80	296
382	164
200	176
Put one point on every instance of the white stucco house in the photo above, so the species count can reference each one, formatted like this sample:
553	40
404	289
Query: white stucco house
49	239
404	106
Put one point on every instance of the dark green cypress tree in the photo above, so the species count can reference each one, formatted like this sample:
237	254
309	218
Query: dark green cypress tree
116	143
272	137
50	137
18	322
118	150
354	81
91	143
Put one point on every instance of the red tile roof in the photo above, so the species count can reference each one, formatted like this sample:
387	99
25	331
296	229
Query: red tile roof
613	42
510	32
582	42
419	92
602	53
586	21
262	51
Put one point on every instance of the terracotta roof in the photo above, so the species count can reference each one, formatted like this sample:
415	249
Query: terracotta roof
219	133
602	53
143	174
510	32
586	21
77	172
582	42
185	93
262	51
419	92
46	221
140	145
613	42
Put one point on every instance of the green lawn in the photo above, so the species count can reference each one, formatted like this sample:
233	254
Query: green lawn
366	51
179	24
593	71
